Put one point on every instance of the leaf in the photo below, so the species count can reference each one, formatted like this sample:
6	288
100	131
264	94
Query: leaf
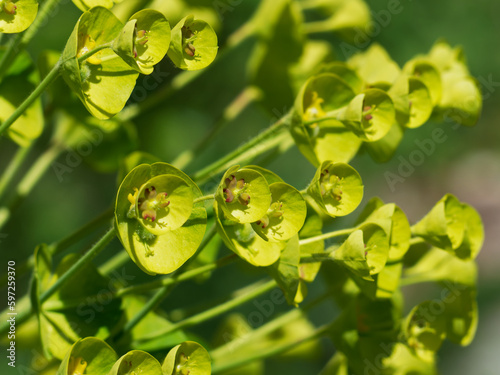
187	358
90	355
163	253
104	81
17	16
337	188
193	45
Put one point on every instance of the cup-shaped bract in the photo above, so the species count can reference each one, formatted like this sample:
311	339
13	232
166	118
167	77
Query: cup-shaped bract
375	67
444	225
17	15
319	99
136	362
248	245
428	73
103	82
337	188
188	358
144	40
159	237
424	332
243	195
369	115
22	77
90	356
473	236
412	101
383	149
193	45
285	216
347	73
365	251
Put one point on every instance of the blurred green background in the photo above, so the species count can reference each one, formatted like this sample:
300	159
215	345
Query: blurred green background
467	164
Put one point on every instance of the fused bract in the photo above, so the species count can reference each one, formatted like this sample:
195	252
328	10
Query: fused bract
188	358
158	222
17	15
144	40
193	45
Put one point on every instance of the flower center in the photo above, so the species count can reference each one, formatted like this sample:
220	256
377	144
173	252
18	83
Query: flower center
76	366
368	112
151	203
331	184
89	45
8	7
274	211
315	110
141	38
181	369
235	191
188	37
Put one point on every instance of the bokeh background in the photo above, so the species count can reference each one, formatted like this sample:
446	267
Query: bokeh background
467	164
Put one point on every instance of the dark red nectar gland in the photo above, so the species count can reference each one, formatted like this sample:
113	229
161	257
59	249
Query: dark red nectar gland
141	38
274	211
234	191
152	203
188	38
367	112
9	7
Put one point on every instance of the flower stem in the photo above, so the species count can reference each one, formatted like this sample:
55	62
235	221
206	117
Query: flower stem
13	168
256	290
263	354
204	198
263	142
20	41
338	233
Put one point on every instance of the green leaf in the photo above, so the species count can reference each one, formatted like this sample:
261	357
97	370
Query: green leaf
104	81
187	358
285	216
89	355
444	225
337	188
136	362
369	115
73	311
16	16
364	252
144	40
248	245
243	195
193	45
158	253
412	101
286	270
375	67
19	81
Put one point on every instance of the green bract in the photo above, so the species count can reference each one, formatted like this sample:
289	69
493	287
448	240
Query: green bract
88	356
286	271
103	82
383	149
87	4
337	188
369	115
193	45
285	216
364	252
444	225
144	40
319	99
160	228
136	362
349	75
412	101
473	236
21	78
243	195
428	74
188	358
17	15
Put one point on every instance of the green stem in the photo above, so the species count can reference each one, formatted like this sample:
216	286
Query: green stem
225	351
276	350
263	142
85	56
30	179
314	258
49	78
20	41
215	311
232	111
204	198
13	168
115	262
417	241
338	233
27	312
